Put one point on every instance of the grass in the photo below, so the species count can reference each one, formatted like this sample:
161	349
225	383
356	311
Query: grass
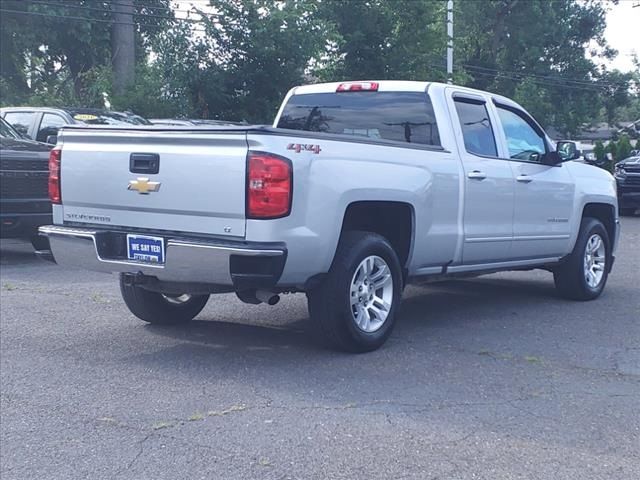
196	416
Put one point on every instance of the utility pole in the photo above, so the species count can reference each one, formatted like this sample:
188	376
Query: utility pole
123	57
449	41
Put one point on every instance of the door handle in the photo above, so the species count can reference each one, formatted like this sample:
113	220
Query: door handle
524	178
477	175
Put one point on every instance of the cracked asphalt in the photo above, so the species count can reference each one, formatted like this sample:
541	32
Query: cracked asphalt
491	378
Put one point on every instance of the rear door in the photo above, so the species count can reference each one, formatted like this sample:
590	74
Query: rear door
544	194
171	180
488	179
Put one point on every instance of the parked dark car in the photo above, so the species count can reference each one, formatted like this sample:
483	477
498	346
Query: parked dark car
24	198
627	173
42	123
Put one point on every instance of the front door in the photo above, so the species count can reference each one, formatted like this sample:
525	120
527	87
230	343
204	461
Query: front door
544	194
489	184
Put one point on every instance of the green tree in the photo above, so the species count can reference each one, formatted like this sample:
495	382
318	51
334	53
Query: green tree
384	39
612	149
45	54
599	151
503	44
623	147
258	49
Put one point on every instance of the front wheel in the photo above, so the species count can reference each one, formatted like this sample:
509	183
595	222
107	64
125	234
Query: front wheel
160	308
584	273
355	306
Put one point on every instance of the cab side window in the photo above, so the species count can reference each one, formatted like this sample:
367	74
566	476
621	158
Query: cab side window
21	121
476	127
524	141
50	125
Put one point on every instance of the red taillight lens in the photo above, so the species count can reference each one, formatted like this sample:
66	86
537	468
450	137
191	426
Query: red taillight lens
55	156
269	186
358	87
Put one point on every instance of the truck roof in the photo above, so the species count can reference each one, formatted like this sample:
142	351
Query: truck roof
399	86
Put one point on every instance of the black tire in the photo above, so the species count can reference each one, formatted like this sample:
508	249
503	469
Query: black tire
155	308
570	278
627	212
39	242
330	307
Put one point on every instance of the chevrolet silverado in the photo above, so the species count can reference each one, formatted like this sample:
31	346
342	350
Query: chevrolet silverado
357	189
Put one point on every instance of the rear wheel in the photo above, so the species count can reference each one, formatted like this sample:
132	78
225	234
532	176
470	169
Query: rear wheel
355	307
584	273
161	308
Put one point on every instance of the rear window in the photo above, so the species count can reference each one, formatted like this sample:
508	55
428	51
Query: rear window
7	131
21	121
398	116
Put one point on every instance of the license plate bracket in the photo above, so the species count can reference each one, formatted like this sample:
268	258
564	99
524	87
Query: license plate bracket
145	248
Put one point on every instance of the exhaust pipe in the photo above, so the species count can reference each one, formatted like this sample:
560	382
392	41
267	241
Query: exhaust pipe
269	298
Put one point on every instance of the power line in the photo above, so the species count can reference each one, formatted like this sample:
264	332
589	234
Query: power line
102	10
169	9
87	19
548	80
192	10
593	89
545	77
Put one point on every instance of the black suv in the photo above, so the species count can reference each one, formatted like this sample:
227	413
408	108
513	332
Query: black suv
42	123
24	198
627	173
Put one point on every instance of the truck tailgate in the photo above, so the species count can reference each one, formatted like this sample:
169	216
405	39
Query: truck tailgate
199	186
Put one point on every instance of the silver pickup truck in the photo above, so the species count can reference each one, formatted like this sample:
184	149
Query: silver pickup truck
358	189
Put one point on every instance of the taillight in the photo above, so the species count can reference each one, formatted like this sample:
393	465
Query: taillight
55	156
269	185
358	87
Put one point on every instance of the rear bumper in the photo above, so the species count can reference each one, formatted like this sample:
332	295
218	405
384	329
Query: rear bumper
235	265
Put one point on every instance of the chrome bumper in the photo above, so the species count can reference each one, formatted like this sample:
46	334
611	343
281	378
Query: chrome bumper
196	261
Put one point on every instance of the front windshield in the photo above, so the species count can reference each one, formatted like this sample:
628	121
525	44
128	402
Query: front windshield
8	131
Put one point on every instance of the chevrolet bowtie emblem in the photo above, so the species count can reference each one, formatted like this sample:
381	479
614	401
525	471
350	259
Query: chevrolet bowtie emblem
143	185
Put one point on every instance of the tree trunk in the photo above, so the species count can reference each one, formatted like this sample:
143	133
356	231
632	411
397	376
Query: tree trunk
123	56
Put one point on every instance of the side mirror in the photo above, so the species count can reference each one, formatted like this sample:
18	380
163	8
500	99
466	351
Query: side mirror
52	139
567	150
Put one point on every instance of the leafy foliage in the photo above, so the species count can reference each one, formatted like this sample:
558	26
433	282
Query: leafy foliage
45	51
623	148
599	151
244	55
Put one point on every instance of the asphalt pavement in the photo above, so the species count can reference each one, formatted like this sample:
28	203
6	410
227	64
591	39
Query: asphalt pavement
490	378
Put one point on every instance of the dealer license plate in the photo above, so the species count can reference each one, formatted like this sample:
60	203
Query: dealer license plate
145	249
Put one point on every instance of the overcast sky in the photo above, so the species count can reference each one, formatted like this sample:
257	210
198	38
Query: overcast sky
623	23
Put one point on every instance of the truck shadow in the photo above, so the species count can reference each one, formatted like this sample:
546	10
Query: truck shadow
16	252
424	310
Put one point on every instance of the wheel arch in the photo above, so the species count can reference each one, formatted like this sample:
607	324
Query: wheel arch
604	212
394	220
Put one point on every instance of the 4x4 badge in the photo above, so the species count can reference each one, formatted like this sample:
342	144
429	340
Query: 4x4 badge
298	147
143	185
